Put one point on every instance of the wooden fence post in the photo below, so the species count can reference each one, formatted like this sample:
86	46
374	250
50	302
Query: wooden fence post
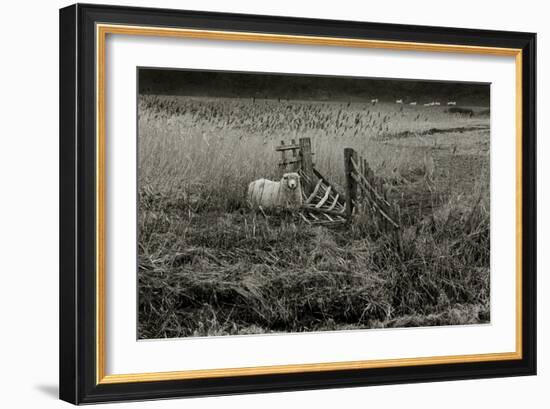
367	201
306	158
283	158
351	184
296	164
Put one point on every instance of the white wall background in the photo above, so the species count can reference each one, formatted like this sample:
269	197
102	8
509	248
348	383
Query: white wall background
29	203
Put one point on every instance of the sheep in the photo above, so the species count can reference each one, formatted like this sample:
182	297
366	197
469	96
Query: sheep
374	101
267	194
398	101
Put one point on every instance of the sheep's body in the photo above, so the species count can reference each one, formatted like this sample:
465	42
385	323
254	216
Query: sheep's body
267	194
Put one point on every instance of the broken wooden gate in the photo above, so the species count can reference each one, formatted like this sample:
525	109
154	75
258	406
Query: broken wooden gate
322	202
369	194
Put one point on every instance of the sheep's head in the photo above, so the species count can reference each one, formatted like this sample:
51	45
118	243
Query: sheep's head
290	180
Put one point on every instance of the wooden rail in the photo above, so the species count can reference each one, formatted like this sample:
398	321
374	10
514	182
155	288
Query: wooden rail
295	161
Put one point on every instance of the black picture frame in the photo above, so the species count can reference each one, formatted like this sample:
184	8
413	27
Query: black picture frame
78	360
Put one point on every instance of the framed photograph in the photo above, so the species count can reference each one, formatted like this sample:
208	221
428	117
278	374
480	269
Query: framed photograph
257	203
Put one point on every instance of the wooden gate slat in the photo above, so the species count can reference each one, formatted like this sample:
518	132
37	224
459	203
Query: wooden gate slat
324	199
304	217
334	202
312	196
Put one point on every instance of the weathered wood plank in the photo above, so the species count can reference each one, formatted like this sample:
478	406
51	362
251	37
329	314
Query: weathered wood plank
304	218
284	147
312	208
384	214
306	157
289	162
283	154
351	184
314	193
304	177
324	198
320	176
334	202
357	176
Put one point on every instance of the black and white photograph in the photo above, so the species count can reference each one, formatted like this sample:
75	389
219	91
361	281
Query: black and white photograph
284	203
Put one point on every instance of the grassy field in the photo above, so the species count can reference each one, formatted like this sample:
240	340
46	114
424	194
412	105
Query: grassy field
208	265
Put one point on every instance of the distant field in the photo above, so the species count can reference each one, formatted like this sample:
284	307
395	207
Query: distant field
208	265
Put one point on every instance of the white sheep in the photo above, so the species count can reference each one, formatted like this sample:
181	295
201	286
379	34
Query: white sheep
398	101
267	194
374	101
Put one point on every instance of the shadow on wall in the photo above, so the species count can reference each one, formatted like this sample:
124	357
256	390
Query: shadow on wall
50	390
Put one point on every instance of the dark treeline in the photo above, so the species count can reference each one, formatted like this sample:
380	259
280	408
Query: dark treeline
306	87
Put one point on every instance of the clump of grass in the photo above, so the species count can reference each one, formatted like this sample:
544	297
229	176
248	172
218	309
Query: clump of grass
279	279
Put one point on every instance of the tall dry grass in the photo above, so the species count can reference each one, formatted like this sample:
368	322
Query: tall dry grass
222	144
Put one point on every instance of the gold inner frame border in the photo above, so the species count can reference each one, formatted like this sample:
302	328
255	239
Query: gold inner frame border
102	30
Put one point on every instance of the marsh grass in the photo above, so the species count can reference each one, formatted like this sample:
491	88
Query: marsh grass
208	265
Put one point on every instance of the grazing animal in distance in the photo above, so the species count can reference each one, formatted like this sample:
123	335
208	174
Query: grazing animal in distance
374	101
398	101
267	194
